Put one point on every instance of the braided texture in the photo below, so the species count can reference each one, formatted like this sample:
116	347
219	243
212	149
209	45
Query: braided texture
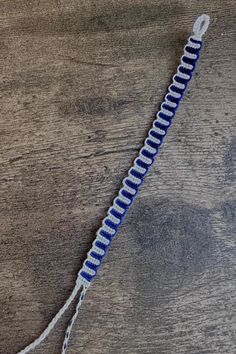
133	181
142	163
72	321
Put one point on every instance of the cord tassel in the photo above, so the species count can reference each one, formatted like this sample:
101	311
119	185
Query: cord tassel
133	181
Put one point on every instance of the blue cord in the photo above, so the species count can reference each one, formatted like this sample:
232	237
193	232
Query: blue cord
142	163
133	181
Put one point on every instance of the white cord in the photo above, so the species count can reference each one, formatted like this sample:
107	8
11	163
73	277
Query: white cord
54	321
132	182
72	321
200	26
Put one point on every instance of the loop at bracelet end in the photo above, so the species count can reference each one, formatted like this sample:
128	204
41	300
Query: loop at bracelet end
200	26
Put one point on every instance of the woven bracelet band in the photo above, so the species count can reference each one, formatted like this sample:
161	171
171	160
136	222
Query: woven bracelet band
135	178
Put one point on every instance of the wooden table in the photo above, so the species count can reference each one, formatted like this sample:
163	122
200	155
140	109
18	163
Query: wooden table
80	82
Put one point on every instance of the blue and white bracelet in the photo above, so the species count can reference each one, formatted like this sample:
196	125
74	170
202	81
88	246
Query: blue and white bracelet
133	181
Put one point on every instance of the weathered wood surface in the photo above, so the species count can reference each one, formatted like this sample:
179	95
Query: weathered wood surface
80	81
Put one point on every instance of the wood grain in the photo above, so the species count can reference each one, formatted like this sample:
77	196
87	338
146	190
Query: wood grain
80	82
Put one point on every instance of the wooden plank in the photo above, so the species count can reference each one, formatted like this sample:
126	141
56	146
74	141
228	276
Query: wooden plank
80	82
